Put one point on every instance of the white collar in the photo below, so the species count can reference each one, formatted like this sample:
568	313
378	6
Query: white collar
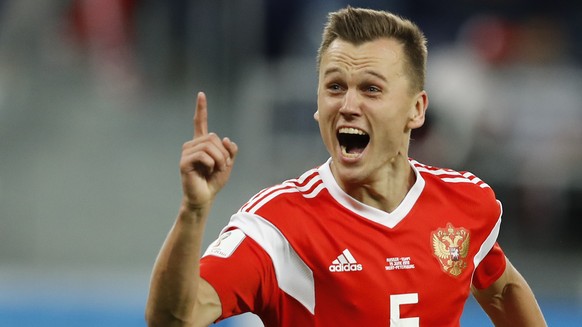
381	217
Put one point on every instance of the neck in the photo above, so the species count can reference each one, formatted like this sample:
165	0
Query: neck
387	188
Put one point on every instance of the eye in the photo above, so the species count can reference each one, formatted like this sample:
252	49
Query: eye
334	87
373	89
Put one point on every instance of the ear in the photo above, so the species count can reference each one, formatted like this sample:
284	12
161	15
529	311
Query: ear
418	110
316	116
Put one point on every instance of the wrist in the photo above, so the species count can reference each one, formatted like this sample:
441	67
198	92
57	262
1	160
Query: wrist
195	212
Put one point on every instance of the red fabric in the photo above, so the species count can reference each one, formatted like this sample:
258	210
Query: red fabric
420	268
246	282
239	278
490	269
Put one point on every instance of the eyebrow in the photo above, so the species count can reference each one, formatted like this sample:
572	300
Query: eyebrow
333	70
380	76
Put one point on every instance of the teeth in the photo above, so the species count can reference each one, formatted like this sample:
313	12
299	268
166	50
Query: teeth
349	155
350	130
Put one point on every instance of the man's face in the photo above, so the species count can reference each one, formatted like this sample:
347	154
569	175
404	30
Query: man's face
366	108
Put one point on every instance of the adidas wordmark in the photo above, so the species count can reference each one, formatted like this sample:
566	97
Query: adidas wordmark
345	262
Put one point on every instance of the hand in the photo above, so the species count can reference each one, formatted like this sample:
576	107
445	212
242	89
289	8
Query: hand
206	161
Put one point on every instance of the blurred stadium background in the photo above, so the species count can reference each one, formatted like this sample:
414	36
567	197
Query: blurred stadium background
97	96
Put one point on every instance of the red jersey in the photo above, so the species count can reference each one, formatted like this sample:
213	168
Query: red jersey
305	253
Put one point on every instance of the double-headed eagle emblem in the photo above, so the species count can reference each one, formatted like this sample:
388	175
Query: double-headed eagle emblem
451	246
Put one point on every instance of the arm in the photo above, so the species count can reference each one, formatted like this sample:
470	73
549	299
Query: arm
178	296
509	301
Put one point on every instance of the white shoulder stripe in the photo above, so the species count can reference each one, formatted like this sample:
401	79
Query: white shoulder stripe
476	180
256	196
307	186
315	191
262	194
293	276
449	175
285	184
289	186
456	180
490	241
438	171
301	179
256	206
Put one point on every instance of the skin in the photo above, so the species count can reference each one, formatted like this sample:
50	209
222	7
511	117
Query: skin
509	301
365	87
176	298
361	87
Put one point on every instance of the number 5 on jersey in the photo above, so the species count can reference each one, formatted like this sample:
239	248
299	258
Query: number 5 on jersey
399	299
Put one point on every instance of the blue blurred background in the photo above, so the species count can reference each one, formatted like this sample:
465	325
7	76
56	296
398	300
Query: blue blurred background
97	97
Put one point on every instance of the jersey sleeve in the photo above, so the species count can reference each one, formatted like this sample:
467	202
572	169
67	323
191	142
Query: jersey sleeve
242	278
490	268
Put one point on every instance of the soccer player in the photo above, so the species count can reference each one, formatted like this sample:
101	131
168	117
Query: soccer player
368	238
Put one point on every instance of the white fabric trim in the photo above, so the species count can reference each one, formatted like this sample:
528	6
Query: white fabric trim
489	241
381	217
271	196
289	186
294	277
436	171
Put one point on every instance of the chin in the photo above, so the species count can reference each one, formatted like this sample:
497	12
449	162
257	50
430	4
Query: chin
350	174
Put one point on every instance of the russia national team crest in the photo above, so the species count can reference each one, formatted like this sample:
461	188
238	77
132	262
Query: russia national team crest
451	246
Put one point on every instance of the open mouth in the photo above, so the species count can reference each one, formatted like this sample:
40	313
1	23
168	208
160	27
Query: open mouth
352	141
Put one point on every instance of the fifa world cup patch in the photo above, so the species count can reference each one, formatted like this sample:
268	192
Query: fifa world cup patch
451	246
226	244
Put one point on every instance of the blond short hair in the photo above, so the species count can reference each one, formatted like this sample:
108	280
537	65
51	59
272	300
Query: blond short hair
358	25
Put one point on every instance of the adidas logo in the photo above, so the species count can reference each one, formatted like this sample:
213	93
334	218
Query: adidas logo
345	262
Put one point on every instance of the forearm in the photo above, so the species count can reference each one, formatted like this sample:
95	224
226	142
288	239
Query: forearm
511	302
177	295
520	307
174	282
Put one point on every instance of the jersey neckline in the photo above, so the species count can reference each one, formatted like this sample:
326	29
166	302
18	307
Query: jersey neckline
388	219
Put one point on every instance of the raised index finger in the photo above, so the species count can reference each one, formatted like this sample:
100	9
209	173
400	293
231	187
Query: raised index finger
201	116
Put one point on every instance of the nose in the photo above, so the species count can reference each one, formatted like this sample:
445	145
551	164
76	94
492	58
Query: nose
351	104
